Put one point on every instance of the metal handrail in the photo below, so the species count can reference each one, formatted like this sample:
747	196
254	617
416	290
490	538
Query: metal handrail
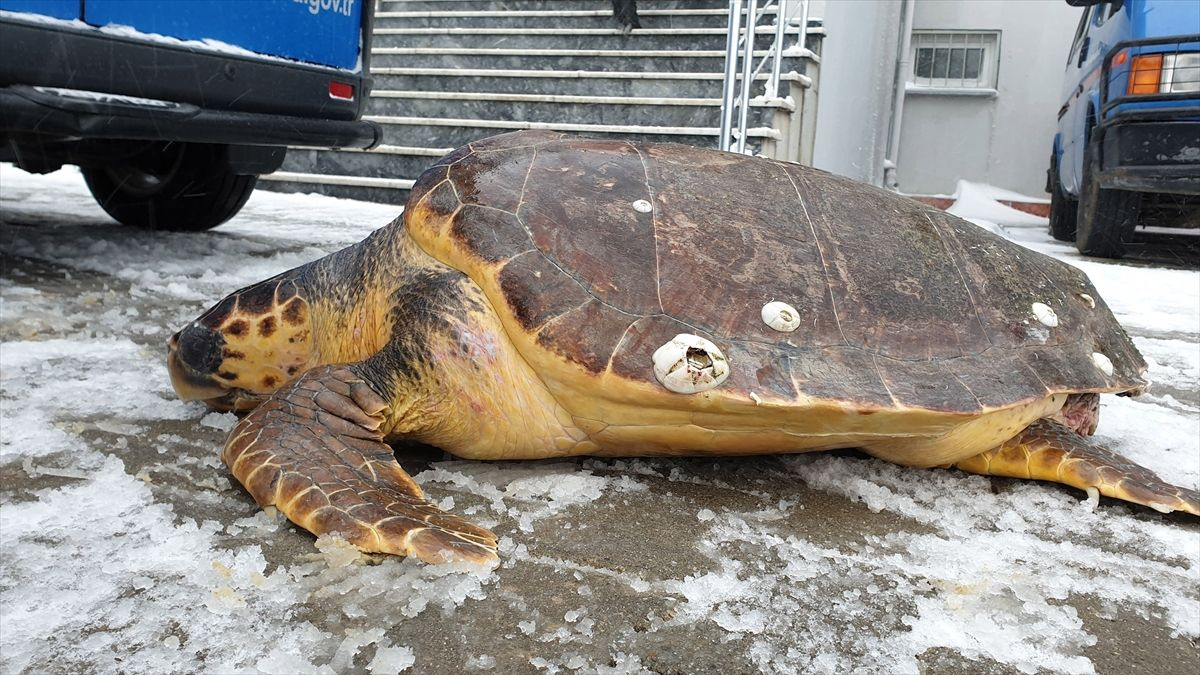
739	49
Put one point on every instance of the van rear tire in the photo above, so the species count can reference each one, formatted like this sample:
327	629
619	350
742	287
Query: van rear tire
184	187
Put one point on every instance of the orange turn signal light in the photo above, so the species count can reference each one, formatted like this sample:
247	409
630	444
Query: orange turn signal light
1145	73
1120	59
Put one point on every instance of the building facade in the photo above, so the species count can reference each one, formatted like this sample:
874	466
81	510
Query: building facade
917	94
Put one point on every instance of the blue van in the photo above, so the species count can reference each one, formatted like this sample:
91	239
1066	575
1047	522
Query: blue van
1127	150
173	109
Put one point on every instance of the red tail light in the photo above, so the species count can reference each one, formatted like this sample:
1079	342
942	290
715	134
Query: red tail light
341	91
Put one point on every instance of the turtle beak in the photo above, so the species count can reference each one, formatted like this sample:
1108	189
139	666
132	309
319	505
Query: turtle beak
193	356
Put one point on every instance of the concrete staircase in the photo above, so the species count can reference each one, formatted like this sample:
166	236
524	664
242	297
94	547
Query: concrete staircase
447	72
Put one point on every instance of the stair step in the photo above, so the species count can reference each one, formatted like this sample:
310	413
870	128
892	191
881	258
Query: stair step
648	60
627	110
501	97
552	38
715	17
335	179
564	82
384	149
493	30
576	127
534	5
365	163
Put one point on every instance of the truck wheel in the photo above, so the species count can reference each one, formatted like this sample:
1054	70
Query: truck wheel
1106	217
185	187
1063	209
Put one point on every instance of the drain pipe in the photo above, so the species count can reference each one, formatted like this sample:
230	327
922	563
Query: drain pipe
903	66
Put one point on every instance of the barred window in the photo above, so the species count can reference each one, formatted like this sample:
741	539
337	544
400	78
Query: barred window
955	59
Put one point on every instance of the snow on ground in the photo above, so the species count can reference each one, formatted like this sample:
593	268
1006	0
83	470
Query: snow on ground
126	547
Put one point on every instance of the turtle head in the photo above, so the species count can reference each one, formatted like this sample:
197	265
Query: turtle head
244	347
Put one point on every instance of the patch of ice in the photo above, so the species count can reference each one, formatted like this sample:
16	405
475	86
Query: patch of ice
390	660
558	491
623	664
337	552
219	421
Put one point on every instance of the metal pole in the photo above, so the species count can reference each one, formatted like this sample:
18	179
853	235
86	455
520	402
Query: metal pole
891	158
747	58
777	51
804	24
735	20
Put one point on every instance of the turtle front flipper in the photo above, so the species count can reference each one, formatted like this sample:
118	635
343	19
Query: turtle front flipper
1048	450
314	451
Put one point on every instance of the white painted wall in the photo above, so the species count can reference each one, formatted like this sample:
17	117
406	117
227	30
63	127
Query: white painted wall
1005	140
857	71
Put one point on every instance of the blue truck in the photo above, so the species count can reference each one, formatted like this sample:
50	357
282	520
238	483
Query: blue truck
173	109
1127	148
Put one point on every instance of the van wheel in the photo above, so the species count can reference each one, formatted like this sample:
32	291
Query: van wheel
1105	217
1063	209
186	187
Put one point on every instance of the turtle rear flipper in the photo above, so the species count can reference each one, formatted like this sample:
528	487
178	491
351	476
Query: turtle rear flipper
314	451
1048	450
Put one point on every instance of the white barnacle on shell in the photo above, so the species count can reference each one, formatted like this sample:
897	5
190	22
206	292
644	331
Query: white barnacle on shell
642	206
689	364
1087	300
1103	363
1045	315
781	316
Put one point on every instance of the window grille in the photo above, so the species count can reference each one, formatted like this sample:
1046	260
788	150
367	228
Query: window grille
955	59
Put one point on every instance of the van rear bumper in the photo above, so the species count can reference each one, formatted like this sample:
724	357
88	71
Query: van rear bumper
72	114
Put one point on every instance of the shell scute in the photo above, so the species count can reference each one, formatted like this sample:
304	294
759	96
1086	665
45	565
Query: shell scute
491	234
994	387
604	325
762	368
840	374
442	200
537	291
492	178
922	384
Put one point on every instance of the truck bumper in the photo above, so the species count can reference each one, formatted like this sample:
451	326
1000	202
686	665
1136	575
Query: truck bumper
73	114
1151	155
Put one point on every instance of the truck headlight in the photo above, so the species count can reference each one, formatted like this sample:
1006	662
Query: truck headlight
1164	73
1181	72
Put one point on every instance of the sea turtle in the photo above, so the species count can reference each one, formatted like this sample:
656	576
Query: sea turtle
547	296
